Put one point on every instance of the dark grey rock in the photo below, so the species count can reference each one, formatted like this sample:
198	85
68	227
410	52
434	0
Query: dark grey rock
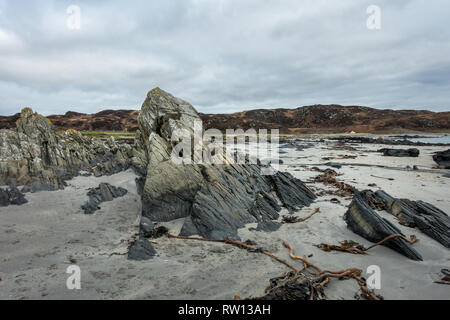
413	152
292	193
11	196
140	250
146	226
415	214
189	229
336	165
104	192
442	159
362	220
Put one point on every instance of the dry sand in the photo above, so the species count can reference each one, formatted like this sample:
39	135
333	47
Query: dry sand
40	239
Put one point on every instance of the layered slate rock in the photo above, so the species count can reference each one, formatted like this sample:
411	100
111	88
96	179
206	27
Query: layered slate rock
11	196
36	156
412	152
214	199
364	221
442	158
104	192
415	214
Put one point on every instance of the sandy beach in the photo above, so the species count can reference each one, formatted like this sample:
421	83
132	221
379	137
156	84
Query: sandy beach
40	239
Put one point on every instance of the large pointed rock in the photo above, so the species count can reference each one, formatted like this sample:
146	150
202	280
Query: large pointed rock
215	199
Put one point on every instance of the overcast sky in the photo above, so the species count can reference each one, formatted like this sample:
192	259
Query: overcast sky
224	55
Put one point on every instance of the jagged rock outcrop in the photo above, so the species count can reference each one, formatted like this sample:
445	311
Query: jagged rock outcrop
214	199
11	196
36	156
104	192
442	158
364	221
412	152
415	214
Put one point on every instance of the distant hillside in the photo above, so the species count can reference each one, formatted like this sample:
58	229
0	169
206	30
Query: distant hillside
331	119
308	119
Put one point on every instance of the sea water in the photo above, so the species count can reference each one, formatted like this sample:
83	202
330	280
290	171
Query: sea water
441	139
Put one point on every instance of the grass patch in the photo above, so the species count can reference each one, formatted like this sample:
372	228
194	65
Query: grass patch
107	134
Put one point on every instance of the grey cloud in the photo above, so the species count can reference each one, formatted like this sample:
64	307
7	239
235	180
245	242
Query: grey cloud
223	55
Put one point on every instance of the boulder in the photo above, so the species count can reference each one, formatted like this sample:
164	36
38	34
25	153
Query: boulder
413	152
215	199
364	221
104	192
442	158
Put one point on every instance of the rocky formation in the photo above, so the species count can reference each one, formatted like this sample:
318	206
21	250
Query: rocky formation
104	192
415	214
36	156
413	152
362	220
215	200
308	119
106	120
442	159
11	195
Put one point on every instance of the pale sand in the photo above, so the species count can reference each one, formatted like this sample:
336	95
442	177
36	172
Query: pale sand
38	239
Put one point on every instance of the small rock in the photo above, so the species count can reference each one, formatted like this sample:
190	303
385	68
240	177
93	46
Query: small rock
140	250
11	195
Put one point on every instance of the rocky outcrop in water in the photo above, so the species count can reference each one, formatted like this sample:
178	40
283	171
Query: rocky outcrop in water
415	214
364	221
36	156
104	192
413	152
11	196
442	159
214	199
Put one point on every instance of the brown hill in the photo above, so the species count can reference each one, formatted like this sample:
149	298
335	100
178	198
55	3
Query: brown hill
308	119
331	118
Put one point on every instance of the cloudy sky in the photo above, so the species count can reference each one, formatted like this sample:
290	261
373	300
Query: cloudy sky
223	55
